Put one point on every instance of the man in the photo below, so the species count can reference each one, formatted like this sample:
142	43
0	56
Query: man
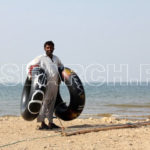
50	64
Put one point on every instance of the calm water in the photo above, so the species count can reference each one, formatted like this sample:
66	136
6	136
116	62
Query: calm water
130	101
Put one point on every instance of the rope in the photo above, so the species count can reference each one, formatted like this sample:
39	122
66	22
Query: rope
36	138
62	128
32	139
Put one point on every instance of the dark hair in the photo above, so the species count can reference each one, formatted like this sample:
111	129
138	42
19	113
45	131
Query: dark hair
49	43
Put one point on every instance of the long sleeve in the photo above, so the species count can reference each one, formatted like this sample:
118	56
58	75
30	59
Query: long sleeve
60	64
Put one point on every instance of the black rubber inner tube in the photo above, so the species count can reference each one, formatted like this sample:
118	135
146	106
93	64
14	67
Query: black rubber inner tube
77	96
33	93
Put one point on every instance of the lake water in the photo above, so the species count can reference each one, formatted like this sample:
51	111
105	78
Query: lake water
124	101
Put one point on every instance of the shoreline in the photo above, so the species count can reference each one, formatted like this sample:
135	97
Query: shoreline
102	115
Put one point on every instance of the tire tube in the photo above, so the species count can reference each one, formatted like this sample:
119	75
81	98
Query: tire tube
33	93
77	96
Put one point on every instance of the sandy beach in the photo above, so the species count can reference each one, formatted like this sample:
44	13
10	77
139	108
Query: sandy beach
18	134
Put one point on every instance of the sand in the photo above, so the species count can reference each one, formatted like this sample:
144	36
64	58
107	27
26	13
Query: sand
18	134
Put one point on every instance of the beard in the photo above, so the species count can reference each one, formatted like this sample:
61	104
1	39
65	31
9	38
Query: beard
49	53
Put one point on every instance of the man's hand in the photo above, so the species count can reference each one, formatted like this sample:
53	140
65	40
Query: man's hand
30	70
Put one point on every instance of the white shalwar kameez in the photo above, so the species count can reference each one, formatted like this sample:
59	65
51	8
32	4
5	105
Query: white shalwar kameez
51	69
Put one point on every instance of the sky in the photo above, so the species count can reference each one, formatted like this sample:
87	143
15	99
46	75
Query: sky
93	37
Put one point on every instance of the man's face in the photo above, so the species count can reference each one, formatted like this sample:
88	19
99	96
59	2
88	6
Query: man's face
49	50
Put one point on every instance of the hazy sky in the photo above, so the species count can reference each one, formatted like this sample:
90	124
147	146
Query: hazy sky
85	32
